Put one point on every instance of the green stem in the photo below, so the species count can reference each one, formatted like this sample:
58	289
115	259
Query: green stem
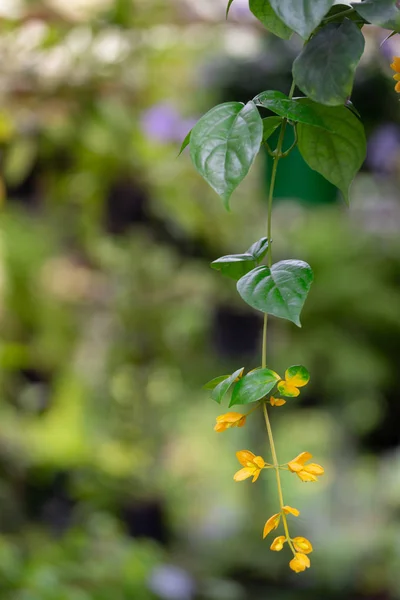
338	15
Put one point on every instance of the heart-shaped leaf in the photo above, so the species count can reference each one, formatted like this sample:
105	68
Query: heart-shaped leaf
384	13
264	12
270	125
224	144
280	290
302	16
325	69
222	388
237	265
337	156
290	109
254	386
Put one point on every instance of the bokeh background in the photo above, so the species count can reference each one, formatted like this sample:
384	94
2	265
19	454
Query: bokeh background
112	481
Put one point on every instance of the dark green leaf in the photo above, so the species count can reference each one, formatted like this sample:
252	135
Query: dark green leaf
302	16
337	156
224	144
325	69
384	13
259	249
280	290
185	142
339	12
270	124
264	12
290	109
228	7
222	388
254	386
210	385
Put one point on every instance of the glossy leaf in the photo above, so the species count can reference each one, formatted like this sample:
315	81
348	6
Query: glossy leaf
270	124
264	12
290	109
224	144
337	156
384	13
325	69
210	385
254	386
303	16
237	265
222	388
185	142
280	290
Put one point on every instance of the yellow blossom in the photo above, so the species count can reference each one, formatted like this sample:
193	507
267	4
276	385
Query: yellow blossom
300	562
230	419
278	542
302	545
396	67
271	524
289	510
277	401
305	472
252	465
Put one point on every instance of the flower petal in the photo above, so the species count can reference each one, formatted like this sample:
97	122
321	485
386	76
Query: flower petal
259	461
314	469
230	417
299	563
292	511
297	464
304	476
245	457
271	524
277	401
396	63
256	475
244	474
397	87
302	545
278	542
220	427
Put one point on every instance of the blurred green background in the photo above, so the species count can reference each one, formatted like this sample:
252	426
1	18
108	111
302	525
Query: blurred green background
112	481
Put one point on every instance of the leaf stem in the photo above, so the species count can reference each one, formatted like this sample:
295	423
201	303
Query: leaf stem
277	156
338	15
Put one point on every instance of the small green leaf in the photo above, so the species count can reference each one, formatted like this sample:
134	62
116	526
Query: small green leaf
384	13
254	386
224	144
185	142
210	385
290	109
337	156
270	125
325	69
302	16
237	265
228	8
222	388
264	12
259	249
280	290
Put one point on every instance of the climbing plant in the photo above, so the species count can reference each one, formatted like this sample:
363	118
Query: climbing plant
329	134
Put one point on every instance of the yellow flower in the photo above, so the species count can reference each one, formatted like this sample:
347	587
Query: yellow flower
271	524
289	510
252	465
396	67
230	419
305	472
300	562
277	401
302	545
278	542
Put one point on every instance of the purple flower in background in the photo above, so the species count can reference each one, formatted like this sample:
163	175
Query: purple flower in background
163	123
172	583
384	148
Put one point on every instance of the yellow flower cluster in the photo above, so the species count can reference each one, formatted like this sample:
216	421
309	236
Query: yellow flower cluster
252	465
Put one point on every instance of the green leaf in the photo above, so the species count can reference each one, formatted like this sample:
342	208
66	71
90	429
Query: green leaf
254	386
339	12
237	265
384	13
270	124
264	12
222	388
210	385
337	156
325	69
228	8
224	144
302	16
185	142
290	109
280	290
